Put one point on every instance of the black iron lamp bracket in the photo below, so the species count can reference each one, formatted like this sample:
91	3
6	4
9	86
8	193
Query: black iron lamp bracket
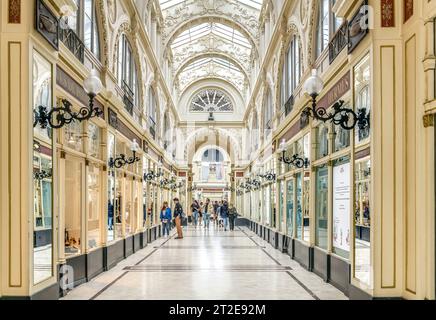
295	161
122	161
346	118
60	116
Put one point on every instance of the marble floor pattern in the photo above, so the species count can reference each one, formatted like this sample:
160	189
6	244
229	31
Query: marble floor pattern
208	265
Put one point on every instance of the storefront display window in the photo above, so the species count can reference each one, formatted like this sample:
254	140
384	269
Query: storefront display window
94	206
322	145
94	140
74	169
73	136
321	236
362	220
362	92
342	138
111	191
306	207
290	208
118	205
299	209
281	204
42	160
341	207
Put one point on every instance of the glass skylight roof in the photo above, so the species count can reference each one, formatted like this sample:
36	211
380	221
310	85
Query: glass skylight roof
216	29
165	4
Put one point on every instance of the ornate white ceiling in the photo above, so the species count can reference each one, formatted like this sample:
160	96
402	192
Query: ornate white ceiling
211	39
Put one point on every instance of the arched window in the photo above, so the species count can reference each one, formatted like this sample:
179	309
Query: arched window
255	132
268	122
128	75
213	156
152	112
84	24
212	165
166	132
327	25
292	70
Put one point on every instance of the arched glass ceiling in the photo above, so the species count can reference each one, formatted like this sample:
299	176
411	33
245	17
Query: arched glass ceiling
216	29
165	4
214	67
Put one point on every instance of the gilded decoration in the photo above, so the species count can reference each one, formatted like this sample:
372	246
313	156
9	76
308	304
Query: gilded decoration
14	11
387	13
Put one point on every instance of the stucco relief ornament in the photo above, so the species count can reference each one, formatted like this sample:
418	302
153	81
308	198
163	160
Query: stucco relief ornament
304	12
112	10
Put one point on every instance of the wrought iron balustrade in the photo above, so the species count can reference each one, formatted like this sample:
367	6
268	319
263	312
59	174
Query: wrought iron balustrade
73	42
152	125
129	98
339	42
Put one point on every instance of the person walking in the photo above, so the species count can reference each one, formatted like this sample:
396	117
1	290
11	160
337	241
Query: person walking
165	218
178	216
195	211
233	215
225	215
207	211
215	213
200	214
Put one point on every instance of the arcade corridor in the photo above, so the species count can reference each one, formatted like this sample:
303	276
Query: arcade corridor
208	265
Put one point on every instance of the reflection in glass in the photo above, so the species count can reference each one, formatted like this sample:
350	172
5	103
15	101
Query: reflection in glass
73	205
94	140
94	205
342	138
362	220
321	207
129	206
42	175
306	207
290	208
111	191
299	209
362	76
73	136
322	146
281	203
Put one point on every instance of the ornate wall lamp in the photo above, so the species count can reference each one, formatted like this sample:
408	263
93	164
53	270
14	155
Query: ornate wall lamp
270	176
151	175
340	116
60	116
295	160
122	160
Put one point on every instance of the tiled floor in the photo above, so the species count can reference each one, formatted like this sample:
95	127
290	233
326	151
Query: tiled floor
208	265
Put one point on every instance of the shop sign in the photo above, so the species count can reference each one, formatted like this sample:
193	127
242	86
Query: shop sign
335	93
358	27
47	24
341	206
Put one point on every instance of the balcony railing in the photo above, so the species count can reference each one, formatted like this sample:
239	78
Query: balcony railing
73	43
289	106
129	98
338	42
152	126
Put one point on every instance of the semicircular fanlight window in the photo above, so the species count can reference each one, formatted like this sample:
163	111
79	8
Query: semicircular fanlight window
211	101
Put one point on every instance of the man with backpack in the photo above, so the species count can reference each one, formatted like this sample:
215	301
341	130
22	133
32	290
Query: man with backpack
178	216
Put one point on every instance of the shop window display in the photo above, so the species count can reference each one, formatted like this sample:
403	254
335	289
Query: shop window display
74	168
73	136
341	138
118	205
42	174
341	207
362	92
129	209
306	207
94	205
299	208
290	208
94	141
362	221
322	145
281	204
321	236
111	191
